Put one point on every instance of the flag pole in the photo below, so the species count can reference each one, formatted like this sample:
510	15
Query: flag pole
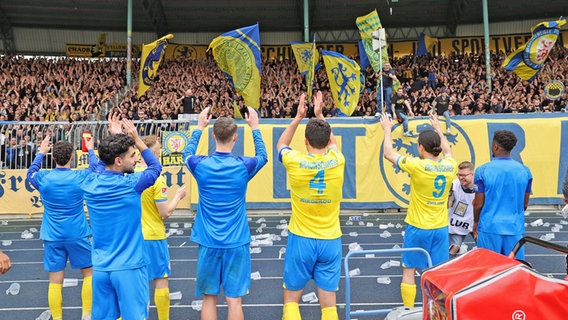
381	72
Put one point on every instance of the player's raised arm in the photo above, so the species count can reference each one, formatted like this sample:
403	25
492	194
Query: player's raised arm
288	134
446	149
388	152
318	111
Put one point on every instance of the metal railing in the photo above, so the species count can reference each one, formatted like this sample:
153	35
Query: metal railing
348	312
20	141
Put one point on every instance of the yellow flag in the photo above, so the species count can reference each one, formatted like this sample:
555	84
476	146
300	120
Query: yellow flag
343	75
152	55
236	113
529	58
303	54
311	70
237	53
367	25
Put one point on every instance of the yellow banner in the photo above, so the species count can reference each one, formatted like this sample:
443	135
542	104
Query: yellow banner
197	52
17	196
471	45
93	51
185	51
370	182
79	50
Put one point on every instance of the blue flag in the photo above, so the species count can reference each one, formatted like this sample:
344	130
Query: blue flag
343	75
363	59
237	53
529	58
425	44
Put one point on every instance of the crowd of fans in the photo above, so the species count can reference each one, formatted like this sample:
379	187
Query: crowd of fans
71	90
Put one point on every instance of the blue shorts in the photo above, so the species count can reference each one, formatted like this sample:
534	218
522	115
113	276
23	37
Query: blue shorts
227	267
121	293
435	241
307	258
159	257
56	253
502	244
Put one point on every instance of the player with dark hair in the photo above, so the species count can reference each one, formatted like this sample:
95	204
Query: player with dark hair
460	206
64	228
155	209
313	250
503	190
427	218
221	226
120	279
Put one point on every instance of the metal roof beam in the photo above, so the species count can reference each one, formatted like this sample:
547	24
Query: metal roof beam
7	34
455	10
155	11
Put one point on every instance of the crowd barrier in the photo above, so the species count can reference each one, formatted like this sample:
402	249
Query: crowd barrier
371	183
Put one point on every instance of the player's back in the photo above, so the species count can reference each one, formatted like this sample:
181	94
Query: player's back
222	181
316	182
430	182
62	197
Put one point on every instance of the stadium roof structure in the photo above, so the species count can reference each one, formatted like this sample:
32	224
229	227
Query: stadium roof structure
168	16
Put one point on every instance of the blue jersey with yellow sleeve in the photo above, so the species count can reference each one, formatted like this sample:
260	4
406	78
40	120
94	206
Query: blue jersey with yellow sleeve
430	183
316	182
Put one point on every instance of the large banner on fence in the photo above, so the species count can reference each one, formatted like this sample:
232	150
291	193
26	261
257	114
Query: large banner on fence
446	46
370	182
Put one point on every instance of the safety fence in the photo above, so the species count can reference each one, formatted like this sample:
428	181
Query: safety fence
370	181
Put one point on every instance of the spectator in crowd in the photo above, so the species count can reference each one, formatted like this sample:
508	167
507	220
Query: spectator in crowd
460	206
399	104
188	102
388	76
24	154
442	107
11	153
71	89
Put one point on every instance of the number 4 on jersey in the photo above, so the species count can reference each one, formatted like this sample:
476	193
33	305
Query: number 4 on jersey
318	182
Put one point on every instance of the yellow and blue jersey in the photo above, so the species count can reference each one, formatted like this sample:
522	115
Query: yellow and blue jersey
152	224
430	183
316	182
